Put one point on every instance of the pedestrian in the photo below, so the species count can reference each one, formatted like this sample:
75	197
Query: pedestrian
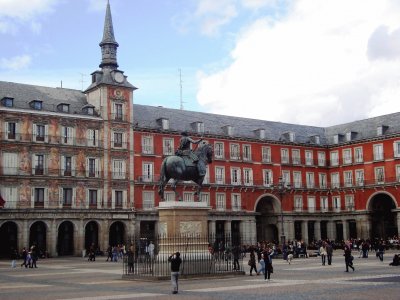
14	256
175	260
24	255
348	258
252	262
381	250
268	264
109	253
131	258
322	253
236	255
34	256
262	265
329	252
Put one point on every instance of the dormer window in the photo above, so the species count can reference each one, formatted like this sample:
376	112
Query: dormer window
88	110
63	108
289	136
36	104
260	133
8	102
381	130
164	123
198	127
228	130
315	139
337	138
350	136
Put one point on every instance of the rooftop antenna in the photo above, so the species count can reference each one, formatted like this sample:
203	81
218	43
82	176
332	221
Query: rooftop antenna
82	81
180	85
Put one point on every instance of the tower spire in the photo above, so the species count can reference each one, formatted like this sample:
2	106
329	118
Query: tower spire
108	44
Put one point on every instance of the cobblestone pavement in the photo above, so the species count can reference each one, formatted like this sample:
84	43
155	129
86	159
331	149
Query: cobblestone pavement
75	278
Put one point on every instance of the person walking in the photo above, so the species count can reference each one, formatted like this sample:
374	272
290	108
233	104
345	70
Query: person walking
268	265
322	253
24	257
381	250
131	257
329	252
252	262
348	258
34	257
175	260
262	265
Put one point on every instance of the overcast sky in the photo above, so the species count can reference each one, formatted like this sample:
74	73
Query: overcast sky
311	62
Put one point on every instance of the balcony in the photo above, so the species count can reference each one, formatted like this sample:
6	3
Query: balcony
39	171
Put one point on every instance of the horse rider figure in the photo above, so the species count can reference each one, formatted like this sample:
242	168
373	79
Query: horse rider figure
184	150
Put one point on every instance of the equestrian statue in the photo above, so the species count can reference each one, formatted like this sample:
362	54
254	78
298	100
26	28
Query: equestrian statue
186	164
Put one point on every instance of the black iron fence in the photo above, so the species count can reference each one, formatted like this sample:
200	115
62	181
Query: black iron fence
148	258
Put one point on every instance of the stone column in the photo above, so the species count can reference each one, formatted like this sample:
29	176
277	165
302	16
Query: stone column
23	241
211	228
252	230
104	235
81	235
345	230
52	242
228	228
331	228
365	226
317	230
290	230
304	231
359	229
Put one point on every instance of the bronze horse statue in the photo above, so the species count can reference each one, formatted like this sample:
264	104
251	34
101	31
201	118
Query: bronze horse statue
183	168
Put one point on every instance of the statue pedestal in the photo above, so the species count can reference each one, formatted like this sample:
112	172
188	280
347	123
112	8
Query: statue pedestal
183	227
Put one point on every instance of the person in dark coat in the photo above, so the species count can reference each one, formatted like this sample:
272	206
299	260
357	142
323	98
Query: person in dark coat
348	258
329	253
175	260
252	263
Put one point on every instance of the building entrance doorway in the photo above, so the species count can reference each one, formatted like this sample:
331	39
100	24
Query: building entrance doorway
117	234
65	240
383	220
91	235
37	236
8	238
266	220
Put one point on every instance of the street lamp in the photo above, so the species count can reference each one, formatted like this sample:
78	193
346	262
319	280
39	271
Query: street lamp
282	188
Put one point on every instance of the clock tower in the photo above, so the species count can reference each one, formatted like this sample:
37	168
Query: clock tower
111	96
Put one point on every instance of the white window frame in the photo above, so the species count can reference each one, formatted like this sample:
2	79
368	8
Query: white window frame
236	176
284	156
118	169
359	176
296	158
298	203
92	138
219	175
248	176
378	152
147	171
266	154
310	180
379	173
297	182
168	146
347	159
349	202
35	163
10	163
323	180
11	195
147	144
67	135
234	151
311	204
286	178
334	157
358	155
188	197
114	199
96	167
336	203
11	136
169	196
348	178
148	200
396	149
321	159
309	158
246	152
324	203
114	140
236	202
220	201
335	180
205	197
219	152
63	165
268	179
35	133
398	173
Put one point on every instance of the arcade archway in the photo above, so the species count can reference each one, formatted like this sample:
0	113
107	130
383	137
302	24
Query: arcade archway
65	239
91	235
383	220
267	219
37	236
117	234
8	238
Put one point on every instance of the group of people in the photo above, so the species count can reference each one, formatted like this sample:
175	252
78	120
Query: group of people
29	258
114	253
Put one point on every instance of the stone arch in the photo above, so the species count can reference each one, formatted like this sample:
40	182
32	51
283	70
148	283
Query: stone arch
92	230
267	207
65	238
38	231
117	233
9	238
383	220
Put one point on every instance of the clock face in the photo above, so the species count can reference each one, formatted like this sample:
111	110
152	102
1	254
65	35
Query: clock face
119	77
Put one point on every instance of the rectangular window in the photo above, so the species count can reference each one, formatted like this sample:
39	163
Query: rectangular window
267	178
310	180
119	199
309	158
119	169
323	182
358	155
298	203
92	167
221	202
188	196
321	159
349	202
147	145
378	152
236	202
92	198
347	156
235	151
335	180
336	203
67	135
67	197
379	175
248	176
284	156
219	150
296	157
118	136
39	164
169	196
398	172
92	137
219	175
67	166
246	152
396	149
10	163
297	180
148	200
118	111
286	178
324	203
348	178
148	172
266	154
359	177
235	176
10	195
168	146
40	132
39	197
11	130
311	204
205	197
334	158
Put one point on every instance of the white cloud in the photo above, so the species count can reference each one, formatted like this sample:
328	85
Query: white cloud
311	66
16	62
97	5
